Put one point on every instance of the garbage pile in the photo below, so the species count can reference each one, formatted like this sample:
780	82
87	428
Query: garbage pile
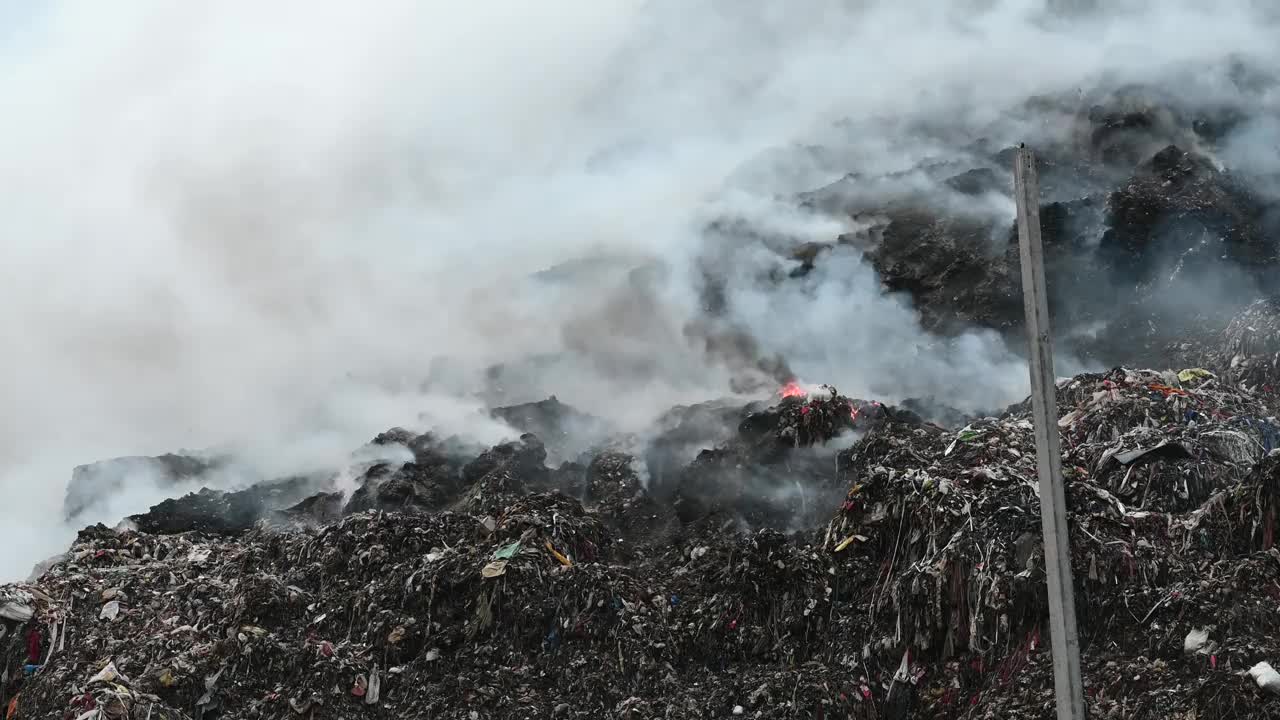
1169	489
1150	236
91	484
1247	352
809	556
497	587
777	470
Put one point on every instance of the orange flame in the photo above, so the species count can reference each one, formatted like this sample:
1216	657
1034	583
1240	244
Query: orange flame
792	389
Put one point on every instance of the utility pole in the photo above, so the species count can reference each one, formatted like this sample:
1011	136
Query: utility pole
1068	686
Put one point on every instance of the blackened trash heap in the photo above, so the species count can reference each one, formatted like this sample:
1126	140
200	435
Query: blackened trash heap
813	556
482	591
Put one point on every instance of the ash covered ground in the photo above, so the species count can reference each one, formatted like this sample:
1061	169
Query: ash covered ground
617	486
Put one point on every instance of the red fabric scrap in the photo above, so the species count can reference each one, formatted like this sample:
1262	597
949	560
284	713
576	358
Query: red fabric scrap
33	646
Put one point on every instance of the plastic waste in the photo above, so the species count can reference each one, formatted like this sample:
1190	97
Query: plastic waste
1266	677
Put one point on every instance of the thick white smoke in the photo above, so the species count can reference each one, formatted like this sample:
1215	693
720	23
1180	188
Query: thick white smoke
256	225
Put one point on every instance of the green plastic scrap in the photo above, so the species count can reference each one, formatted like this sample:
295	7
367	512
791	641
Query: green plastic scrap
966	434
506	552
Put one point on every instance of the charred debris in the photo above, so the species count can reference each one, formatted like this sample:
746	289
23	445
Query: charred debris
833	558
809	556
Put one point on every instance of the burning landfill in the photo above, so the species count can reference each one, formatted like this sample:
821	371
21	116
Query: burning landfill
804	554
908	584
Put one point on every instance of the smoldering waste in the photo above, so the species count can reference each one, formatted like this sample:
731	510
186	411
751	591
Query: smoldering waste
809	556
479	588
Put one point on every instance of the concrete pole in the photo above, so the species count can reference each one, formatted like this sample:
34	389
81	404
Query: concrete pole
1068	686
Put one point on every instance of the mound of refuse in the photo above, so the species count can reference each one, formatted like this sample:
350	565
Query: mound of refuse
1148	238
812	555
907	582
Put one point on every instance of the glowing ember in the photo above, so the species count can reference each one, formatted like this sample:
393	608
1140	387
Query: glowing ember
792	389
854	411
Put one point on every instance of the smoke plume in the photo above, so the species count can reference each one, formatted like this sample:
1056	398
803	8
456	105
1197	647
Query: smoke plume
280	228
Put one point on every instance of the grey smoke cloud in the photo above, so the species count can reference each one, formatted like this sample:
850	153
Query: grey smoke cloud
256	225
